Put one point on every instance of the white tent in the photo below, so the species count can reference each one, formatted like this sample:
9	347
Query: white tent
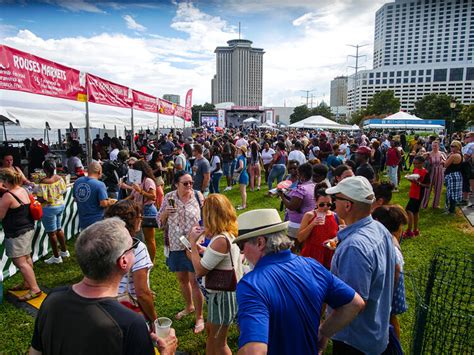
250	120
267	124
402	116
316	122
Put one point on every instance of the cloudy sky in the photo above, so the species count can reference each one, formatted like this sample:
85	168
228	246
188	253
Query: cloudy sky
168	46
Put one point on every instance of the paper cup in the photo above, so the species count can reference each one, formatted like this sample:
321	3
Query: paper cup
162	327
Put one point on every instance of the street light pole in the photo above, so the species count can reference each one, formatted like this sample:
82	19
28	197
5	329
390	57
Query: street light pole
452	104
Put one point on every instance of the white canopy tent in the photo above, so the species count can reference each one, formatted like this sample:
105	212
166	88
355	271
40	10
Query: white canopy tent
250	120
403	120
316	122
402	116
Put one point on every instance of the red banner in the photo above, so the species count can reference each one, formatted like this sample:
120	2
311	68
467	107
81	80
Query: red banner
180	112
189	103
20	71
144	102
105	92
166	107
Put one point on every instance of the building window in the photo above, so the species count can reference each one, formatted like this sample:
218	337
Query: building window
456	74
470	73
440	74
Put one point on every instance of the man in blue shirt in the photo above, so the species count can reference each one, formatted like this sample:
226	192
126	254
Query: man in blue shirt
280	301
91	196
365	260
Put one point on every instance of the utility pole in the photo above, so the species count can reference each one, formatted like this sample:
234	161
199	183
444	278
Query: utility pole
307	96
355	94
312	97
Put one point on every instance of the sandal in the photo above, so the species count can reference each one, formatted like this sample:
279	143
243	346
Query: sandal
199	327
19	287
29	296
180	315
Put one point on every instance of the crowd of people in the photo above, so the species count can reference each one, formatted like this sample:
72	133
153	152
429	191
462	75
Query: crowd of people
332	268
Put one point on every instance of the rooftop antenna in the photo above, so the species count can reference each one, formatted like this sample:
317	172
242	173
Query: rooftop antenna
239	29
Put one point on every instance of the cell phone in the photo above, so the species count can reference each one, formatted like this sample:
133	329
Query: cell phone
172	202
185	242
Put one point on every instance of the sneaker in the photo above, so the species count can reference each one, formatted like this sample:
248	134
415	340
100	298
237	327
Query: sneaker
54	260
396	190
416	232
241	208
64	254
258	188
228	188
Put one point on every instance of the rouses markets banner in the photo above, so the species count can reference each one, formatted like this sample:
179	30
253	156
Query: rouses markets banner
20	71
166	107
144	102
105	92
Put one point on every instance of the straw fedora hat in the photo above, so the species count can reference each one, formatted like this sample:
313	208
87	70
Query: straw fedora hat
259	222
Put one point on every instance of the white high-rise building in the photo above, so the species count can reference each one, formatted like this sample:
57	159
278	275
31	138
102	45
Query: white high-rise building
239	72
420	47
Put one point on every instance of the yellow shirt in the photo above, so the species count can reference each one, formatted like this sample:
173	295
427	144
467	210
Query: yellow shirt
52	194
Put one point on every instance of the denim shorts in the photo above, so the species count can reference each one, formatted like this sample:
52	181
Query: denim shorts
178	261
227	168
150	210
52	218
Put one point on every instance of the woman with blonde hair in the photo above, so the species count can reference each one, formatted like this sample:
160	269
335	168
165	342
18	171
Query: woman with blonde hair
18	226
220	221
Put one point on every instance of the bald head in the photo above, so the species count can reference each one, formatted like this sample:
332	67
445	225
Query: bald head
94	168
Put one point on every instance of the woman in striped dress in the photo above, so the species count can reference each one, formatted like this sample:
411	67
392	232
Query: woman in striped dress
436	160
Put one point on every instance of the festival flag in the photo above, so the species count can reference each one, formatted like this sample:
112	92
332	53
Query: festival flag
189	103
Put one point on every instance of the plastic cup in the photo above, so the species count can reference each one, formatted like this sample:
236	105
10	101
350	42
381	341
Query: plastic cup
162	327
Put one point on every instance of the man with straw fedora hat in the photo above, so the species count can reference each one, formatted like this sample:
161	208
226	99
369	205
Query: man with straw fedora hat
280	301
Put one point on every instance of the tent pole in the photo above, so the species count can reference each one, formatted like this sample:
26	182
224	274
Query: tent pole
157	124
60	144
132	147
88	132
5	133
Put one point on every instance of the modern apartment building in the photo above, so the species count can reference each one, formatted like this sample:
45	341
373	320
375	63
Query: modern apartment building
420	47
239	73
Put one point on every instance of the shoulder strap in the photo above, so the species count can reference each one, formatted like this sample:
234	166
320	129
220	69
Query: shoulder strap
196	196
16	198
225	234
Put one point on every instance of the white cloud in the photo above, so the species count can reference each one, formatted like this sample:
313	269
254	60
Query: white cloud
158	64
76	5
132	24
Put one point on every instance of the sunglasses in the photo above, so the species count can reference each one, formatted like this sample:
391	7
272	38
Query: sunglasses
328	204
134	246
187	183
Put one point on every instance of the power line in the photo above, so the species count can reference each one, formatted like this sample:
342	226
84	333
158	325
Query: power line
307	95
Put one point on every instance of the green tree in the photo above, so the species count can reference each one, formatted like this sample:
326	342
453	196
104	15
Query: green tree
466	116
383	102
300	113
198	108
438	107
322	109
357	117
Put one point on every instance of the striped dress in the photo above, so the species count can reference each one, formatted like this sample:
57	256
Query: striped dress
437	180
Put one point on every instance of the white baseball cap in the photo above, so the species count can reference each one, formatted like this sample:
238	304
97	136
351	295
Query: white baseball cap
357	188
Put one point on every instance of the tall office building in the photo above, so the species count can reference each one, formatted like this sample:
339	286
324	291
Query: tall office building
172	98
339	91
239	71
420	47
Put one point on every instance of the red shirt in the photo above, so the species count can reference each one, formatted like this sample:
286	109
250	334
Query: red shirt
415	189
393	156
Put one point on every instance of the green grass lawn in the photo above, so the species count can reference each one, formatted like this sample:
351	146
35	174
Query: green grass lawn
438	231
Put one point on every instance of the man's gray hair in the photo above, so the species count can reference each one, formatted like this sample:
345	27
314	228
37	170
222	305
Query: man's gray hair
275	242
99	246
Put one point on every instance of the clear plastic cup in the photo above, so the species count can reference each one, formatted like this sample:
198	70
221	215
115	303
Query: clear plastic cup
162	327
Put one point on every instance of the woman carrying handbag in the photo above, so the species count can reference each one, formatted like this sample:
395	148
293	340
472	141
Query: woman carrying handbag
222	267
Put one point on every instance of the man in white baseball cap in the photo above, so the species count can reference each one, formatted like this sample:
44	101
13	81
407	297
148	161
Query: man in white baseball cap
280	301
365	260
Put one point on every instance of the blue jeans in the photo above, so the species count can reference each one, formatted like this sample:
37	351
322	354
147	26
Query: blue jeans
52	218
278	170
392	175
214	185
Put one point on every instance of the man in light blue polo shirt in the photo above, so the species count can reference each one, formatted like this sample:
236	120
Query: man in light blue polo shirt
365	260
280	301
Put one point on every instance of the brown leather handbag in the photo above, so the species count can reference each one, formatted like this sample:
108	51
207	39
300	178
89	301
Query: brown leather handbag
222	280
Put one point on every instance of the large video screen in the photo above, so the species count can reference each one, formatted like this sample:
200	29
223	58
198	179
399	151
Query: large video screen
209	121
